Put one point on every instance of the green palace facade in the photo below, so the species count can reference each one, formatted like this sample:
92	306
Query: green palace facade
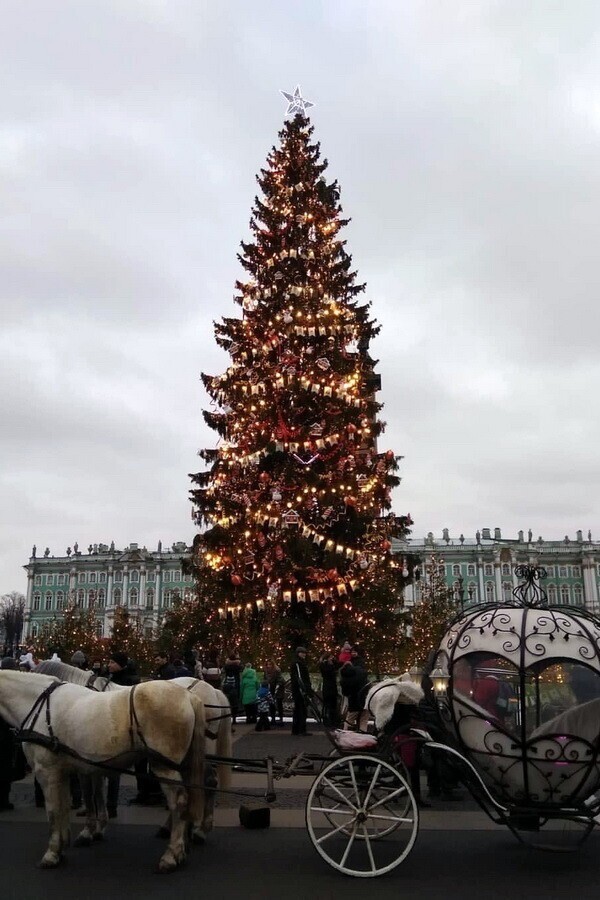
144	581
147	581
482	569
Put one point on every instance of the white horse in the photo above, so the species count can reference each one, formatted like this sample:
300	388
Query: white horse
68	729
218	743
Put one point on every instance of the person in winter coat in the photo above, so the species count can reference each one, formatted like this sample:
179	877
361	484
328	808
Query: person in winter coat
165	670
181	670
345	654
79	660
264	702
122	670
353	680
301	689
249	685
231	683
276	681
328	667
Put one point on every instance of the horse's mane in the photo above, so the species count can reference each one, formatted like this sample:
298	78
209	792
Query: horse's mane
63	671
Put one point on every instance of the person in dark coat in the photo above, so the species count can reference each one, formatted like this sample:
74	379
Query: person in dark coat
122	670
165	670
328	667
301	689
7	749
231	683
181	670
353	682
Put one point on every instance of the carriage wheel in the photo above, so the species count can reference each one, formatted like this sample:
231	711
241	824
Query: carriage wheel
362	816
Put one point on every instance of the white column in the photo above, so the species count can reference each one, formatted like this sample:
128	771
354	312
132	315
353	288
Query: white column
125	586
590	587
498	579
29	597
142	596
72	598
480	580
157	591
109	587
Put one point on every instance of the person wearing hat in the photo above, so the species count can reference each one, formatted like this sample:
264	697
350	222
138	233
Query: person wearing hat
79	660
301	689
122	670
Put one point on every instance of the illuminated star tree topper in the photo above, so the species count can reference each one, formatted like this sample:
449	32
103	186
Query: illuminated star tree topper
296	103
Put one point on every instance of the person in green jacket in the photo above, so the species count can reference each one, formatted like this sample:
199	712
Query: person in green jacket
249	685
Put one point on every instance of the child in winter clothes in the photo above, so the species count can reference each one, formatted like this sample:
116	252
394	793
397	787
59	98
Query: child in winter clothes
345	654
264	702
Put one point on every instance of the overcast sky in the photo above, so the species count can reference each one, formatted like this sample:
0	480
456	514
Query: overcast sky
466	139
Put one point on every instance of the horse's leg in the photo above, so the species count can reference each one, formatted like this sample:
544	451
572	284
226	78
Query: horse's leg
55	785
100	804
85	836
201	829
176	796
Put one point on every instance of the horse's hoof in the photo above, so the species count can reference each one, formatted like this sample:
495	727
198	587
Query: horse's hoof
165	868
163	832
198	838
50	861
82	841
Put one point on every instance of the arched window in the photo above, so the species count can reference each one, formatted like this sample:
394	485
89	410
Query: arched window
441	570
60	600
167	598
48	601
91	598
37	580
80	598
417	591
119	575
34	630
488	569
456	570
470	570
37	599
505	569
551	593
506	592
101	597
489	591
565	594
134	576
472	593
578	595
133	596
150	598
99	628
117	596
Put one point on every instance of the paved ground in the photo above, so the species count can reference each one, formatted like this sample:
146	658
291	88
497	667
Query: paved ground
281	863
459	853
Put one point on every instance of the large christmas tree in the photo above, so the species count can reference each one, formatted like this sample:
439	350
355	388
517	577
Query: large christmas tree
296	499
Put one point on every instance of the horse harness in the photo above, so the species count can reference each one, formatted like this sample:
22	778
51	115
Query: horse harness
27	733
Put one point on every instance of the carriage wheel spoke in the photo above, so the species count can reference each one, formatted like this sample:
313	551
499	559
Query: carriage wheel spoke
349	846
369	850
336	830
346	800
353	777
390	818
336	812
372	785
401	790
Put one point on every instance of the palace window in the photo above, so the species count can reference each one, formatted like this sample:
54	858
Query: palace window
91	598
151	577
48	601
81	577
34	630
506	592
442	571
119	575
562	571
576	572
565	594
49	580
456	570
37	581
550	571
60	600
472	593
488	570
133	596
489	591
150	598
117	596
101	597
92	578
177	575
37	599
99	629
505	569
102	577
80	598
470	570
578	595
135	576
552	593
60	579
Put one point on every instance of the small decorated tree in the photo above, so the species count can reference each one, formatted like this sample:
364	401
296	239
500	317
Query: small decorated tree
431	613
128	635
74	629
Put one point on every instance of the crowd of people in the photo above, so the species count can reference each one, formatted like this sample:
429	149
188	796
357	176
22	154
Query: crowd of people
257	694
